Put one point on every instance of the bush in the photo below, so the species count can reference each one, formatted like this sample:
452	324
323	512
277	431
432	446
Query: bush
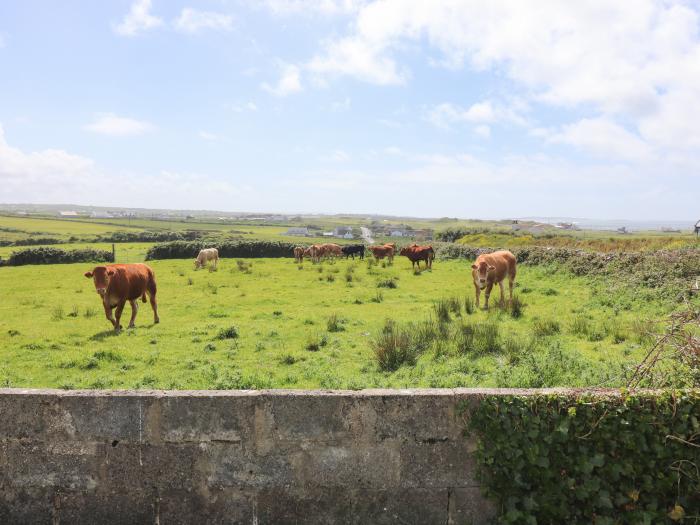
566	458
231	249
393	347
48	255
228	333
335	323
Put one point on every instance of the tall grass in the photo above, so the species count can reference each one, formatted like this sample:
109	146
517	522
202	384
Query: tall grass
393	347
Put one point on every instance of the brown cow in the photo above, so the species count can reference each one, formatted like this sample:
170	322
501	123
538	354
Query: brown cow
119	283
416	254
318	251
385	250
298	254
492	268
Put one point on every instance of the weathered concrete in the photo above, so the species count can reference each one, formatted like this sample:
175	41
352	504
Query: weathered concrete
374	456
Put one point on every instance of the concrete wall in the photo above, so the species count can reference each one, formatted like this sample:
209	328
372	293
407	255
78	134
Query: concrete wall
237	457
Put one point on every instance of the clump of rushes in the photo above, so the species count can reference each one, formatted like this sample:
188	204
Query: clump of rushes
393	347
228	333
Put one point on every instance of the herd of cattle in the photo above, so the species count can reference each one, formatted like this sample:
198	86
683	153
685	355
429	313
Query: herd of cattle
118	283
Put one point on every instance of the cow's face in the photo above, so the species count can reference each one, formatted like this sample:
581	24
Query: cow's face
196	264
100	276
480	272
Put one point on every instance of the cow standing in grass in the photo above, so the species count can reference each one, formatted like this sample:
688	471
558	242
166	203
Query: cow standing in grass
350	250
490	269
207	255
416	254
118	283
319	251
298	254
384	250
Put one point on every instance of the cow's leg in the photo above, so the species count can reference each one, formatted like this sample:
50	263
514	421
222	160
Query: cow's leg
511	283
154	305
477	291
134	309
108	314
503	293
118	314
487	294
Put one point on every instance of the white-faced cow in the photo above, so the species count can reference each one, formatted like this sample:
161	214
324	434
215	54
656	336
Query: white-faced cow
118	283
490	269
205	256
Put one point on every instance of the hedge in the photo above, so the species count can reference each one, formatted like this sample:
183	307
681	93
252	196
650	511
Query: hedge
240	249
151	236
587	458
46	255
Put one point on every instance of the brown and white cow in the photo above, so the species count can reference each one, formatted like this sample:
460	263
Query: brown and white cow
206	255
118	283
490	269
416	254
299	254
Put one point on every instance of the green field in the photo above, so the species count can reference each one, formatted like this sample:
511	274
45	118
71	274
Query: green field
53	332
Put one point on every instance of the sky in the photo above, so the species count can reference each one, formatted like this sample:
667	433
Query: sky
452	108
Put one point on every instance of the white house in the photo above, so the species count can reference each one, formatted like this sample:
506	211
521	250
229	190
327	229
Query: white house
397	233
68	213
348	236
101	215
301	232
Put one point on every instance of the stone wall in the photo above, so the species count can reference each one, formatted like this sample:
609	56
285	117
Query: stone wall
257	457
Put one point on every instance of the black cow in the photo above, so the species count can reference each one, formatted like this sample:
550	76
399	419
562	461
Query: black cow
350	250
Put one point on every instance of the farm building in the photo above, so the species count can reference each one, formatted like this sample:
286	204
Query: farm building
101	215
301	232
341	231
397	233
68	213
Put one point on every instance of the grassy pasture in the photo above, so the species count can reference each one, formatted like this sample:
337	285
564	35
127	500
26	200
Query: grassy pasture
306	327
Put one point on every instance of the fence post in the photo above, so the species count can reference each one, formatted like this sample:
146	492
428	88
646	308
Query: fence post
114	259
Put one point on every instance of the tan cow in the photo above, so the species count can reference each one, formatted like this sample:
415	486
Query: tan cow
384	250
490	269
206	255
319	251
299	254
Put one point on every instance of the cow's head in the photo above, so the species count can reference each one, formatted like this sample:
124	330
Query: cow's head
480	272
196	264
100	276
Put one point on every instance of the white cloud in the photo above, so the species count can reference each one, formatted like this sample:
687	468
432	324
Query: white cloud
603	138
241	108
637	62
138	19
484	112
288	83
337	155
211	137
323	7
192	21
483	131
114	125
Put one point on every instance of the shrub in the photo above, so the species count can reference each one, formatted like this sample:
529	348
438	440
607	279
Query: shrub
565	458
515	307
228	333
229	249
393	347
387	283
57	313
469	306
486	337
48	255
580	326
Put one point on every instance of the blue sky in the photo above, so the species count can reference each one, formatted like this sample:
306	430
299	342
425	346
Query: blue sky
442	108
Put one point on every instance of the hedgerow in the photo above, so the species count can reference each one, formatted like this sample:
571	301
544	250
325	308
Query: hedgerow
590	458
48	255
241	249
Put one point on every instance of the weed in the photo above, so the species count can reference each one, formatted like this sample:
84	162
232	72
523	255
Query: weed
545	327
387	283
549	292
57	313
330	277
442	311
277	313
13	333
90	312
378	297
515	307
393	347
228	333
288	359
75	311
190	282
210	347
469	304
580	326
107	355
486	337
335	323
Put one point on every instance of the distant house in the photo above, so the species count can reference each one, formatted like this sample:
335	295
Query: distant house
342	231
68	213
301	232
348	236
397	233
327	234
101	215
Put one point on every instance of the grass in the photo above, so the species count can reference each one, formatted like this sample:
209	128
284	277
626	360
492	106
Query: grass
234	337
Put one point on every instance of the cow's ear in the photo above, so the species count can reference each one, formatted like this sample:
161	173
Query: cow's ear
88	275
474	266
110	271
